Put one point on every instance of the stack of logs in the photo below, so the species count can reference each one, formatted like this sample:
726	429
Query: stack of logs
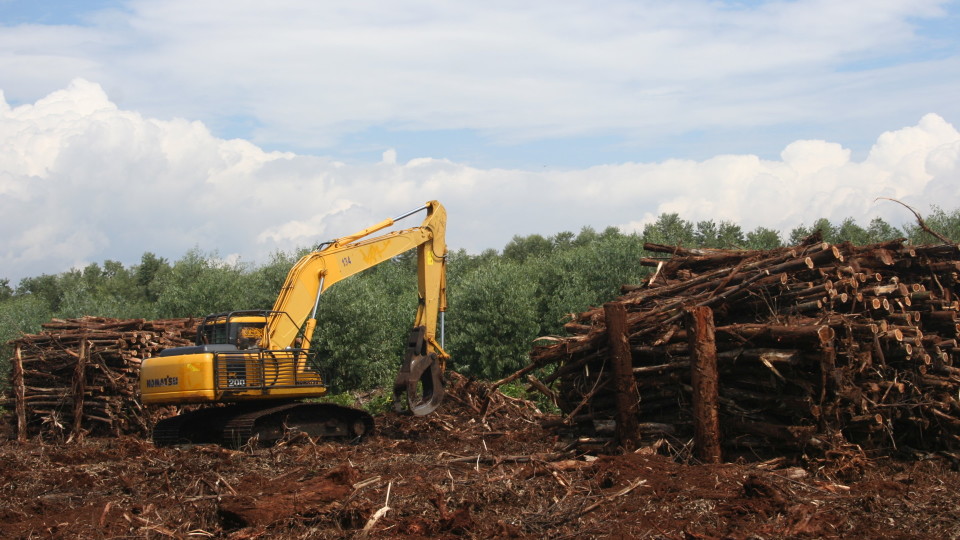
817	346
80	376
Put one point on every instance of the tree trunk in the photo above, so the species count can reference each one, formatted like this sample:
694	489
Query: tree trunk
625	385
705	382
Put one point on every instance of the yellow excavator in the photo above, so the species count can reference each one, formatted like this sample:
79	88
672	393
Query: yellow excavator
257	367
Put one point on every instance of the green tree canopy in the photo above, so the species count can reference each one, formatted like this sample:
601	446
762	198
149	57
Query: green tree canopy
763	238
670	229
499	303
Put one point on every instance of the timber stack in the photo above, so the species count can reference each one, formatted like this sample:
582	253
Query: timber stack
811	348
81	376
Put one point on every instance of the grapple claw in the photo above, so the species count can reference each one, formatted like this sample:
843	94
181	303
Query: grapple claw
420	378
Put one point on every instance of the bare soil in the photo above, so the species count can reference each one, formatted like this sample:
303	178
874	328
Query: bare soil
465	472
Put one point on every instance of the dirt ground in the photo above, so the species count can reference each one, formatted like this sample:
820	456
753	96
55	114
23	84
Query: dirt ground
465	472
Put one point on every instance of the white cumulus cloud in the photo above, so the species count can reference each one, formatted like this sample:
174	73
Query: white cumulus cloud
83	180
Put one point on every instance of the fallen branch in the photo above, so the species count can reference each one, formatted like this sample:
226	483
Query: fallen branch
921	222
378	514
621	493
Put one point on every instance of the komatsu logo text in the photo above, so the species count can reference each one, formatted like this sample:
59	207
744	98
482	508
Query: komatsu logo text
166	381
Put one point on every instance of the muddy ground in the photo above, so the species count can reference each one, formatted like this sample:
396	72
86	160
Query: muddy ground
468	471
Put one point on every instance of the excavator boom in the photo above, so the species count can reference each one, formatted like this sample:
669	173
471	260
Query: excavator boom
339	259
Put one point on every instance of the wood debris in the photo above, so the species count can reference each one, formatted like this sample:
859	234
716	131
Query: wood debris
817	346
80	376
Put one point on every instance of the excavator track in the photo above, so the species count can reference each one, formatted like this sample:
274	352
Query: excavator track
236	425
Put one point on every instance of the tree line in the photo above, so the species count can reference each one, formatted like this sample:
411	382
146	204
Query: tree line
499	301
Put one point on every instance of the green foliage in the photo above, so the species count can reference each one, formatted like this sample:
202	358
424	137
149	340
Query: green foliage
881	231
763	238
828	232
362	326
18	315
670	229
343	399
45	287
460	263
564	240
6	291
199	284
521	248
499	303
150	267
379	403
496	318
263	284
947	224
725	235
21	315
108	291
588	274
518	389
848	230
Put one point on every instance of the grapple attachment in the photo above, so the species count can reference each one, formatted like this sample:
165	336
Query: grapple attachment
420	377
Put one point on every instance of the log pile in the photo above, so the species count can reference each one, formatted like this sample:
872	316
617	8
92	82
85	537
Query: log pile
817	346
80	376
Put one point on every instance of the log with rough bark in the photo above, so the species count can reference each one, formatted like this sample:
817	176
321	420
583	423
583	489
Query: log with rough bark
628	434
705	383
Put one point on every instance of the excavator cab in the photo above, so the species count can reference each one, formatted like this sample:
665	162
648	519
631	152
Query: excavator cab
230	363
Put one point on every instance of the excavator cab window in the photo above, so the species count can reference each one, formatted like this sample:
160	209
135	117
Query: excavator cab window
248	335
212	333
243	329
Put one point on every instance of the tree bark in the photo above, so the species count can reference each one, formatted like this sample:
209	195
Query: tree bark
705	382
19	391
626	387
79	387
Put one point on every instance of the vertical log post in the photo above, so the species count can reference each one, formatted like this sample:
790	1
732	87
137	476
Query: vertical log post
628	434
19	395
705	381
79	387
828	386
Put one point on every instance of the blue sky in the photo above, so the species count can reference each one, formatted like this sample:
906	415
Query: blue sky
51	12
566	67
655	103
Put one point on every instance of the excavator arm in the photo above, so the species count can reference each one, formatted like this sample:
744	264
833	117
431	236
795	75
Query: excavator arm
293	317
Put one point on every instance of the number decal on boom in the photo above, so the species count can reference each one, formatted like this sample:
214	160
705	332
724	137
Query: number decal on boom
345	261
